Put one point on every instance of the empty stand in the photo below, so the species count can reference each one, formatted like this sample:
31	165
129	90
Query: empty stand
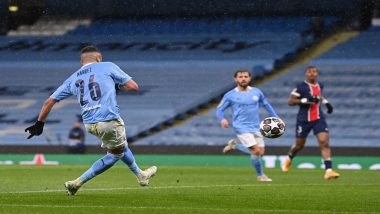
166	90
351	74
48	26
226	25
177	73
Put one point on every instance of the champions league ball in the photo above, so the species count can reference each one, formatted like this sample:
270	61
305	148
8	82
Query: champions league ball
272	127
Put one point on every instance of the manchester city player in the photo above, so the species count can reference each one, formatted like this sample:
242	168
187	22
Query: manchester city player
308	96
245	101
94	86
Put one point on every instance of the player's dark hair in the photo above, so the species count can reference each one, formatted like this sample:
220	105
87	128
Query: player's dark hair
242	71
89	49
311	67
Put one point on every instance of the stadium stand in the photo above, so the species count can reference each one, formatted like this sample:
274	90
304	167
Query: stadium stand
351	75
178	73
225	25
47	26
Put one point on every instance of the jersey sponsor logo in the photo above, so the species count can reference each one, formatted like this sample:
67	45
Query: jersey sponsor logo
92	107
245	106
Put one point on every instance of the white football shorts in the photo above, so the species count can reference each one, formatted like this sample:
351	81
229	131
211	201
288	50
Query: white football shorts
251	139
111	133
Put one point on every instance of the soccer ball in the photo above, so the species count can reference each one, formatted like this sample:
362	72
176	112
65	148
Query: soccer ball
272	127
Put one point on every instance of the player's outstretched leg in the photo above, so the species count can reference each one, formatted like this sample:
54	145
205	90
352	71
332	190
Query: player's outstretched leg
286	164
130	161
230	146
142	176
242	148
233	145
294	149
97	168
256	164
72	186
263	178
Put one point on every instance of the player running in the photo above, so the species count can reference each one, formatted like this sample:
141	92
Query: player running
244	101
94	86
308	95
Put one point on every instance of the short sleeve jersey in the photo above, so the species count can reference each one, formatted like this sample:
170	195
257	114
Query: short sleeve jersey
245	109
94	86
308	113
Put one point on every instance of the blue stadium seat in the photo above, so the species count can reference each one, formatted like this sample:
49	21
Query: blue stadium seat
352	84
227	25
172	82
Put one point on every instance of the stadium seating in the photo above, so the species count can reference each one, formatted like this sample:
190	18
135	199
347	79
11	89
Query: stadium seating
351	74
226	25
177	72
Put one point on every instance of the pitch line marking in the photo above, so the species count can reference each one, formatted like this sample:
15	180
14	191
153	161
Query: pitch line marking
178	187
178	208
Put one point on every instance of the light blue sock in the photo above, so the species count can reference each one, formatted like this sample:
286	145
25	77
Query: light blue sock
256	164
242	148
129	159
99	166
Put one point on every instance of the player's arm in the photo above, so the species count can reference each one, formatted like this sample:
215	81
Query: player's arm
46	108
38	127
296	99
61	93
122	80
223	105
329	107
267	106
270	109
131	85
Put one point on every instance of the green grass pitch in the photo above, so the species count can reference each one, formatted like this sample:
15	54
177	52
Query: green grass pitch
175	189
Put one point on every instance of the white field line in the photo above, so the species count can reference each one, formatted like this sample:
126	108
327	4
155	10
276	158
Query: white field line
171	208
180	187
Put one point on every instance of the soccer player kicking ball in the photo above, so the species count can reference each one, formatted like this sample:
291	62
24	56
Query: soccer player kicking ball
244	101
308	95
94	86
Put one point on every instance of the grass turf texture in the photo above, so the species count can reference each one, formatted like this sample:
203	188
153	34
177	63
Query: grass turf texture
39	189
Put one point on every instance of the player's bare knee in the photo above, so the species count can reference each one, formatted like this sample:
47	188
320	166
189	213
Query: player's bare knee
262	152
324	144
298	146
300	142
255	151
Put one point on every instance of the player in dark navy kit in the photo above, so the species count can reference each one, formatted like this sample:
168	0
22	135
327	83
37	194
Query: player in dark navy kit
308	96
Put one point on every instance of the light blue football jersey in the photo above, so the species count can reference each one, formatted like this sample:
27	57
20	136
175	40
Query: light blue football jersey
245	109
94	86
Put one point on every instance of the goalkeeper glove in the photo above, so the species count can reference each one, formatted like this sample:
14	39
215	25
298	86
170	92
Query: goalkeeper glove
310	100
36	129
329	108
